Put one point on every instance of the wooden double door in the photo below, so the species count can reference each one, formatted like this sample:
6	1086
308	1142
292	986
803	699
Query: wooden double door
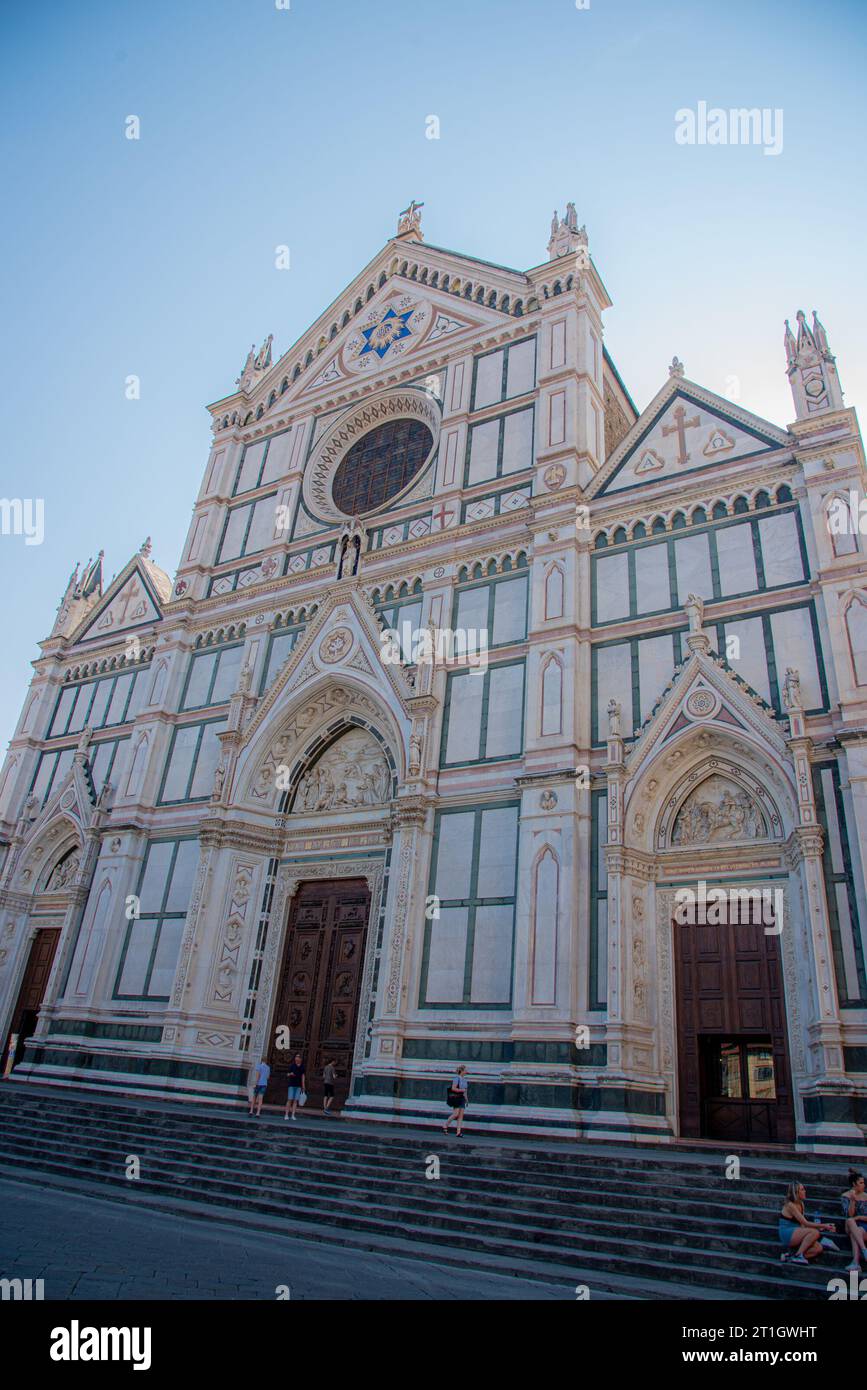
319	988
32	991
733	1057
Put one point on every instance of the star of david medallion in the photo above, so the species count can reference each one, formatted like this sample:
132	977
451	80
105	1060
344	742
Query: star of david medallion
390	329
386	332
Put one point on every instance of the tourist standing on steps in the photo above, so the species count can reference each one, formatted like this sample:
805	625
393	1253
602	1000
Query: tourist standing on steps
457	1098
329	1076
263	1074
854	1203
297	1084
801	1239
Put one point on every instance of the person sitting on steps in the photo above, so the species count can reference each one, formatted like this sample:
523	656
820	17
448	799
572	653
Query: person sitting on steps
854	1203
801	1239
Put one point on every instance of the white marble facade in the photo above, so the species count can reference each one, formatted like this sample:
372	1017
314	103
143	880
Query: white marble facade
609	717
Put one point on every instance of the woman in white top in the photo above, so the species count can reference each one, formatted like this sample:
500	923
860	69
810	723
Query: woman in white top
457	1098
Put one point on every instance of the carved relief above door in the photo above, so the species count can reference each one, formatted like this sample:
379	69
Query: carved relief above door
351	773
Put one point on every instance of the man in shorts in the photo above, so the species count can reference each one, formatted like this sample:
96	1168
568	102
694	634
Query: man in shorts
263	1072
297	1084
329	1076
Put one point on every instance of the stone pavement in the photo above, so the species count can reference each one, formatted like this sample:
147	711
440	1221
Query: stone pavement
89	1248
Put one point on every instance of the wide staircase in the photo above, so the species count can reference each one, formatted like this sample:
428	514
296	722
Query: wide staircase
627	1221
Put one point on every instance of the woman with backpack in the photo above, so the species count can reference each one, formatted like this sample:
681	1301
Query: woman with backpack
457	1099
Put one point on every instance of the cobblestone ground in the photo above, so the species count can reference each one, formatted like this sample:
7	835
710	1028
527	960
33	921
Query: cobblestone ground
87	1248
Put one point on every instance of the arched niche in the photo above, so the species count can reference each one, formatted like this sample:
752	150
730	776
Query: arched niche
347	771
718	802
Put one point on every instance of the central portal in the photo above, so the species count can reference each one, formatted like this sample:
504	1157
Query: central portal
320	985
733	1054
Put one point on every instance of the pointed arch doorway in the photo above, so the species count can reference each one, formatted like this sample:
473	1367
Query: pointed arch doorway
31	993
723	834
320	986
48	910
734	1077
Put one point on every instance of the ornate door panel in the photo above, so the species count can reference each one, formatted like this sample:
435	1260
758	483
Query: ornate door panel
33	985
733	1062
320	984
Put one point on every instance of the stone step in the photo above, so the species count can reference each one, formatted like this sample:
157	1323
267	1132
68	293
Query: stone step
592	1252
325	1136
583	1216
620	1286
270	1143
612	1215
598	1269
693	1219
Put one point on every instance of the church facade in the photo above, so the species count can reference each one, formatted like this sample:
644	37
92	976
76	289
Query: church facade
486	719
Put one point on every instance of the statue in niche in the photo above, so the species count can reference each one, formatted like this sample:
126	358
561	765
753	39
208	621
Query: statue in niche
718	811
349	550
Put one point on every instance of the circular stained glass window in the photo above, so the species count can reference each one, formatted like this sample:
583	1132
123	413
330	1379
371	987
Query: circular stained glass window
380	465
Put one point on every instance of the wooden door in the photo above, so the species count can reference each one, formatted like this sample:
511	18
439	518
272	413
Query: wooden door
33	986
733	1060
320	985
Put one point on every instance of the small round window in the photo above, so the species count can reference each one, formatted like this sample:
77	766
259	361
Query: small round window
380	465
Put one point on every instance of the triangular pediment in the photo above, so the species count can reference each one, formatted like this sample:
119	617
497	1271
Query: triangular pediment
73	798
334	678
685	430
449	295
342	640
403	324
132	601
705	693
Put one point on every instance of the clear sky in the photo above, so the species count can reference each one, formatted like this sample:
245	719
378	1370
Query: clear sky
306	127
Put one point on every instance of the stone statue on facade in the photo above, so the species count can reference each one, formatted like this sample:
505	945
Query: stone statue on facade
613	719
414	755
792	688
694	609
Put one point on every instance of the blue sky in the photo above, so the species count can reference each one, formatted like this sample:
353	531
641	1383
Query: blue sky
306	127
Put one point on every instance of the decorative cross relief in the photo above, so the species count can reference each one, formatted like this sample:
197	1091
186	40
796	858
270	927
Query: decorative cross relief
680	426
